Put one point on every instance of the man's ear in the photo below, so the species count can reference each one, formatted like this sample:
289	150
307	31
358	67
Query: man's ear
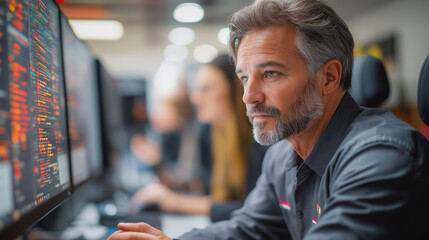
331	71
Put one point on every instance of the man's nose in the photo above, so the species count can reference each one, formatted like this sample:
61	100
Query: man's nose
253	92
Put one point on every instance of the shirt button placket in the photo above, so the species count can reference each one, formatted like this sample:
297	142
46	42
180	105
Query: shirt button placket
299	214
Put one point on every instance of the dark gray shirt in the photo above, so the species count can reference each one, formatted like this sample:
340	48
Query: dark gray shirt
366	178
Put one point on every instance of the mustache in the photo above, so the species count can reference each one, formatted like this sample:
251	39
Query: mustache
257	109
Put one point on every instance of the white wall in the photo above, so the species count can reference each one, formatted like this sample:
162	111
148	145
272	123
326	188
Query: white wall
409	21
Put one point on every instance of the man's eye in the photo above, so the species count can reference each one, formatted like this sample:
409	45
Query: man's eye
243	79
271	74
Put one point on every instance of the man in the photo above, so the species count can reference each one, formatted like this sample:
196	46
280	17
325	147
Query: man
344	172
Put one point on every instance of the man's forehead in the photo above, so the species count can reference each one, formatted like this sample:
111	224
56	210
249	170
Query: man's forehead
268	44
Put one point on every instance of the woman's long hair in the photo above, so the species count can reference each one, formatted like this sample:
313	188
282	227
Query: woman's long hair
232	141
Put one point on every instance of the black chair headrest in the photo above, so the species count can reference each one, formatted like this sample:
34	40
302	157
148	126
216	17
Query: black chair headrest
423	92
370	86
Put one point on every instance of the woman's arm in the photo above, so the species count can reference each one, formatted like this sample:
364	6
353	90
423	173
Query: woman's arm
170	201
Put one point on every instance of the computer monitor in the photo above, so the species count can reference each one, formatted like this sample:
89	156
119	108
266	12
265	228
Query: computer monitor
134	100
83	112
84	127
114	139
34	156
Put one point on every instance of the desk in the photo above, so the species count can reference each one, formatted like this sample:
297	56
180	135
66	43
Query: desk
87	226
175	225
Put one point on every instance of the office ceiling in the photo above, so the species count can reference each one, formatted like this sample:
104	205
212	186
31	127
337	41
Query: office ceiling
153	13
148	12
147	23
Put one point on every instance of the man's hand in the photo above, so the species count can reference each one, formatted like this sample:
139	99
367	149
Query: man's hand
138	231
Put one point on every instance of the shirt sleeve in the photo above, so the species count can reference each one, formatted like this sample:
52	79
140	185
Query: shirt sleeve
222	211
373	194
259	218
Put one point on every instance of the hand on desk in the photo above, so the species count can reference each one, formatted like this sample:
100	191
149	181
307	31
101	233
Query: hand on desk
140	231
170	201
145	149
154	193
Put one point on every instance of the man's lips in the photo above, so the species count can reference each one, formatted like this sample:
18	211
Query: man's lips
261	116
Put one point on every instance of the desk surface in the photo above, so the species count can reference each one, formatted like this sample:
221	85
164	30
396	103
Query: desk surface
87	225
175	225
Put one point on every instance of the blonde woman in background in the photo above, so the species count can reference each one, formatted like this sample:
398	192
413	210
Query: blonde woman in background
231	160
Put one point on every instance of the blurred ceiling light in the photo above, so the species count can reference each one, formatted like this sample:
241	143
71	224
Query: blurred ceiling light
97	29
175	52
167	79
188	13
205	53
223	35
181	36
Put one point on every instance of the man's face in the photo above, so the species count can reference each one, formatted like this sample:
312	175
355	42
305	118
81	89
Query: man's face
280	98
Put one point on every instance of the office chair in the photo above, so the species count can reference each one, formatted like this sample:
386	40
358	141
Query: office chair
370	86
423	96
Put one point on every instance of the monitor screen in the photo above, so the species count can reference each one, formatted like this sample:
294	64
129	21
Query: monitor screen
83	113
34	166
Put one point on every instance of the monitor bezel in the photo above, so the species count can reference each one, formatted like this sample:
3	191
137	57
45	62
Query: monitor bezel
103	124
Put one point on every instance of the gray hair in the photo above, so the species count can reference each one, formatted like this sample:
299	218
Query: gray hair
321	34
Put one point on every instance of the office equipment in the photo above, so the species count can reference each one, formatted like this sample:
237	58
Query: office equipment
113	135
34	162
82	102
84	128
134	97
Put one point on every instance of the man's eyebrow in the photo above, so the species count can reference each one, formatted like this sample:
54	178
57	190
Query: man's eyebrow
263	65
270	64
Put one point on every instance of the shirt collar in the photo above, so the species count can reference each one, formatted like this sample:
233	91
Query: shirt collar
333	135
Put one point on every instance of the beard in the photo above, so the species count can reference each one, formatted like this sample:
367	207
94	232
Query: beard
300	116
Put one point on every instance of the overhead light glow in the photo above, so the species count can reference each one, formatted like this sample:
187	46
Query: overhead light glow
188	13
175	52
205	53
181	36
223	35
167	78
97	29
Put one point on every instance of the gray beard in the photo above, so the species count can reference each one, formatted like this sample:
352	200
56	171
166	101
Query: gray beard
299	117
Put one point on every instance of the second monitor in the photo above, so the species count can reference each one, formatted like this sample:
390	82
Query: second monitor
82	102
